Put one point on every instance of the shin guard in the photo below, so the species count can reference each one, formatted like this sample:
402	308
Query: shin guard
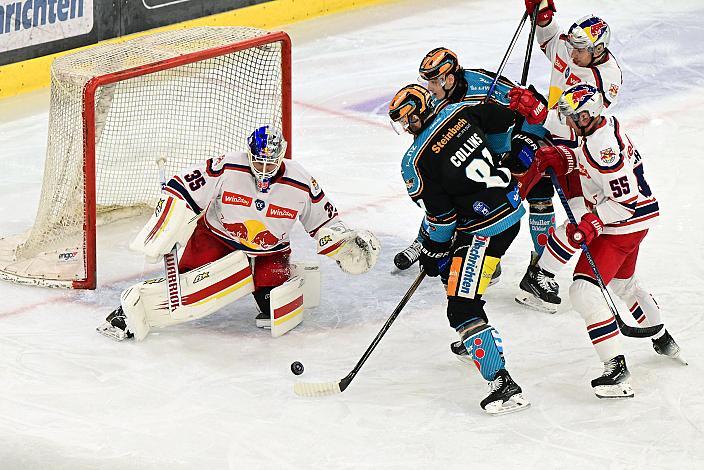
484	346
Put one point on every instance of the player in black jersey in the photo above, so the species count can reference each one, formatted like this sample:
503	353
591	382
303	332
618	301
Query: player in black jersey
449	82
472	212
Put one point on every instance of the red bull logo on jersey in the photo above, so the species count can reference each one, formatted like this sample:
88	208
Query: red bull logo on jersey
234	199
278	212
252	234
608	156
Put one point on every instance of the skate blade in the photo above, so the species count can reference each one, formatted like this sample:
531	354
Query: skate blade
112	332
464	358
516	403
531	301
678	357
622	390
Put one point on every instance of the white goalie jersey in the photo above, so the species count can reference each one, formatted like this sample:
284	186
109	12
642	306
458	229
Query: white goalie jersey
245	218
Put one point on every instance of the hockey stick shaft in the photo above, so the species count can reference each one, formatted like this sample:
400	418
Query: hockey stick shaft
173	282
310	389
627	330
529	48
506	56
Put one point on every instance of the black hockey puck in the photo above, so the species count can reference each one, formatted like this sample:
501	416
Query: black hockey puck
297	368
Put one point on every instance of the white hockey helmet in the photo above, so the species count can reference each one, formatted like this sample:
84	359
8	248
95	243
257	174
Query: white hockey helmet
266	149
578	99
590	32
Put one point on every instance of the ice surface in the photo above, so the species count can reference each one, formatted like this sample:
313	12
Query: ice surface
218	393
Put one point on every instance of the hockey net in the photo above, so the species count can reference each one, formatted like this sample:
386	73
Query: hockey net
187	95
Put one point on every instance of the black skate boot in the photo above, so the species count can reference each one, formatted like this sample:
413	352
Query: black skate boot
460	352
538	288
613	383
497	275
406	258
666	346
115	326
505	395
263	300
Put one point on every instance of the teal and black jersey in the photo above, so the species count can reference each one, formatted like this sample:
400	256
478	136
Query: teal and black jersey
474	89
451	172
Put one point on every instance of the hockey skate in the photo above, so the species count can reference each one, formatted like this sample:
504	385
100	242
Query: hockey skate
613	383
505	395
538	288
460	352
497	274
666	346
263	320
115	326
406	258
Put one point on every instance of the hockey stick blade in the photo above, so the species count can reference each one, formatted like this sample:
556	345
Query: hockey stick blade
321	389
637	332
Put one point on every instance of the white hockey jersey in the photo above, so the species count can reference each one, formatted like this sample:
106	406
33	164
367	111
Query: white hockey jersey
606	77
243	217
612	177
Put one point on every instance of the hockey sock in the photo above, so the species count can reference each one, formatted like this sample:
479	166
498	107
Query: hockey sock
484	346
558	251
641	304
541	221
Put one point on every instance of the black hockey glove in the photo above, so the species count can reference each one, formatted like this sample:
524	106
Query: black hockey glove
432	255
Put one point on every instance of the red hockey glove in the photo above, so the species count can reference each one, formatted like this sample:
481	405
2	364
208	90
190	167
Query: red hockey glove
588	229
547	8
525	102
559	157
527	180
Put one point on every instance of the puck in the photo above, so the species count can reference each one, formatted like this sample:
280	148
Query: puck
297	368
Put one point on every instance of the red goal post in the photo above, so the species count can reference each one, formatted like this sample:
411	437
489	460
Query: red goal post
188	95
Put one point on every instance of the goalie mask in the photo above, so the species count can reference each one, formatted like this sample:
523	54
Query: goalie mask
267	148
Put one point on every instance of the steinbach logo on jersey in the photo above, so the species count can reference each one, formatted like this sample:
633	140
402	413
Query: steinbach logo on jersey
451	132
278	212
236	199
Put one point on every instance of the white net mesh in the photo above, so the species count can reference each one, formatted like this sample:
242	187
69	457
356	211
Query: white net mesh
187	114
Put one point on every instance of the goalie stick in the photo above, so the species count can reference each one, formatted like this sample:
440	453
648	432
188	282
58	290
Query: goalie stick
627	330
173	283
333	388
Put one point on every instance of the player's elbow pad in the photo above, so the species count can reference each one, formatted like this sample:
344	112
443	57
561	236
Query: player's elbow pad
171	223
355	251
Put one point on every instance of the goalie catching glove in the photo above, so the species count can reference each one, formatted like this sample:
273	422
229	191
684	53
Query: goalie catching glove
355	251
171	223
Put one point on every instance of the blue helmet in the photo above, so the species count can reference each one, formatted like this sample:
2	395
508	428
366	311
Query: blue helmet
267	148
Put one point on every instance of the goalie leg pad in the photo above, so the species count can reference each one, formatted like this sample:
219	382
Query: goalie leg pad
204	290
310	272
286	306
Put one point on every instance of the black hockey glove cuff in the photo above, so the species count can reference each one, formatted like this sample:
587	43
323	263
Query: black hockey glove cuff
432	253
